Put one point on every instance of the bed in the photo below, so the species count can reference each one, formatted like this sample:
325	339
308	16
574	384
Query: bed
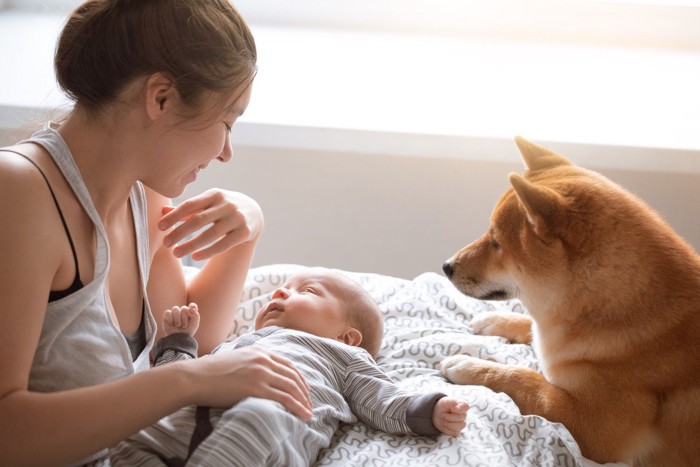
425	321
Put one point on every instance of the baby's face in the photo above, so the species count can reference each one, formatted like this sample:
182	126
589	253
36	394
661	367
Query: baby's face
309	301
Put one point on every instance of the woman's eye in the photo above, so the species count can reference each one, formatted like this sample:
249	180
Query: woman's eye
228	127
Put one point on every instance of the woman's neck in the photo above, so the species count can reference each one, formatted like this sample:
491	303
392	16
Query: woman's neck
104	155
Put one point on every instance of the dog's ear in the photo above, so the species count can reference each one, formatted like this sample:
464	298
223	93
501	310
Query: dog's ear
536	157
544	207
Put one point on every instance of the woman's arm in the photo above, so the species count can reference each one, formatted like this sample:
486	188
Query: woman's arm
230	224
63	426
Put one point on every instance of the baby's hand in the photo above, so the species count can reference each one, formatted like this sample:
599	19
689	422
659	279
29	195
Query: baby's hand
181	319
450	416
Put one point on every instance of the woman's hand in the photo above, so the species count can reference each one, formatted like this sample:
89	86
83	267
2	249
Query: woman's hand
226	219
224	378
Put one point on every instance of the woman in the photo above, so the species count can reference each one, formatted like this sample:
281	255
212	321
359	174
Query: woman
91	244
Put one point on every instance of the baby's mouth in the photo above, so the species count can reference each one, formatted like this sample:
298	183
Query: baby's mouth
273	306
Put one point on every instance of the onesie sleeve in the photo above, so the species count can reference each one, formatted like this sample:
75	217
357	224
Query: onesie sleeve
175	347
376	400
419	414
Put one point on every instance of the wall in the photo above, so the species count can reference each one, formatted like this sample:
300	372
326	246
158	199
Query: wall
397	215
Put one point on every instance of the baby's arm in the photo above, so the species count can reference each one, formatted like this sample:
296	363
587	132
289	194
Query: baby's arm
450	416
181	319
391	409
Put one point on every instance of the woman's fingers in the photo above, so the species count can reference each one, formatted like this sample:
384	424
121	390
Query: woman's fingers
215	221
189	226
282	384
291	372
183	211
289	401
214	240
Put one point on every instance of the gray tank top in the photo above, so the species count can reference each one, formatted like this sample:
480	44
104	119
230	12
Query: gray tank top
80	345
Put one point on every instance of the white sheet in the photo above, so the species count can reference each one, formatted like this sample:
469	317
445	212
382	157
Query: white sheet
425	321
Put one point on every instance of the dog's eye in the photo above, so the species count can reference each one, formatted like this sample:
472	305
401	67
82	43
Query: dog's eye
495	245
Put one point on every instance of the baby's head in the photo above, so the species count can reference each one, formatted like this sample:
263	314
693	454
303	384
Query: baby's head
327	304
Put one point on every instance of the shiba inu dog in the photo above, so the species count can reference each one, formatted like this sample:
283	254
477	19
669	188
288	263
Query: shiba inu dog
613	300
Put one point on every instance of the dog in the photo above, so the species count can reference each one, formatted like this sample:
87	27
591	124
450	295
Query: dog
613	312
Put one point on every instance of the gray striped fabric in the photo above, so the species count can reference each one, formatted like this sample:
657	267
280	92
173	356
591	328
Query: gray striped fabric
346	385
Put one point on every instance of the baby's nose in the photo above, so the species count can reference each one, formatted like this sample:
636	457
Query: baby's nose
280	293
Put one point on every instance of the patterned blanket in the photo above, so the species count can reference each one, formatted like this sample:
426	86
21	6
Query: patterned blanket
425	321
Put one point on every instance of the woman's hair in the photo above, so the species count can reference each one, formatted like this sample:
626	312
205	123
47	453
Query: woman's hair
203	46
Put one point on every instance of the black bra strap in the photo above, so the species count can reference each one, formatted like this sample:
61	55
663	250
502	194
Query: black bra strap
60	213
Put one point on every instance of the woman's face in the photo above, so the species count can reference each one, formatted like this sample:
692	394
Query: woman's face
185	149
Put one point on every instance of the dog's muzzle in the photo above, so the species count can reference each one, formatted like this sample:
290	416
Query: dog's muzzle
447	268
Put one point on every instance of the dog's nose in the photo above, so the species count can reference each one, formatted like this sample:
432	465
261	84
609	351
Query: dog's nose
447	267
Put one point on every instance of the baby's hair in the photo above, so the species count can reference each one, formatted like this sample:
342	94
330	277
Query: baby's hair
364	315
203	46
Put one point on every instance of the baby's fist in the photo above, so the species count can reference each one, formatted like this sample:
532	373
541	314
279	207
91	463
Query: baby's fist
450	416
181	319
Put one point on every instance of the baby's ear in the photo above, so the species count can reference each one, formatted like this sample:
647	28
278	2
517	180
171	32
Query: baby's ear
351	336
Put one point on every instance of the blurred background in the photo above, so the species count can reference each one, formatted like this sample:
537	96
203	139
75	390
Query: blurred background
380	132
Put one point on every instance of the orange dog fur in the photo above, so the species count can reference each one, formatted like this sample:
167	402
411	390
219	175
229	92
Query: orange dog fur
613	297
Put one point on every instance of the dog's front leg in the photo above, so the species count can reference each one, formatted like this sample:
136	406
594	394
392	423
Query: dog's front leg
529	390
608	427
515	327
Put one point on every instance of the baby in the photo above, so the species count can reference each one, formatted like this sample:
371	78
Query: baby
331	329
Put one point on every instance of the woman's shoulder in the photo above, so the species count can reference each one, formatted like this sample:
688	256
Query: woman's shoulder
22	175
25	197
28	238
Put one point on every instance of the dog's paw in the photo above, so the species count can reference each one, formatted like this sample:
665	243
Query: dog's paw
516	327
463	369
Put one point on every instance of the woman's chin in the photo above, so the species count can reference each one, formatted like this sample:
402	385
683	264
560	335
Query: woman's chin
190	177
171	191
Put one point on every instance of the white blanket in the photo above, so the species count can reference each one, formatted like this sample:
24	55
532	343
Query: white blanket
425	321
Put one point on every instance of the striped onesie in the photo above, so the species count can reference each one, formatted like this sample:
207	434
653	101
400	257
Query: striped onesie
346	385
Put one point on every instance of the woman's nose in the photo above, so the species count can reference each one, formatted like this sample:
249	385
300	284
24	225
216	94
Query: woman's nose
227	151
280	293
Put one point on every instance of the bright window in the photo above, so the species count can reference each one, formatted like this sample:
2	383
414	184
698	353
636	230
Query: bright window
671	23
434	76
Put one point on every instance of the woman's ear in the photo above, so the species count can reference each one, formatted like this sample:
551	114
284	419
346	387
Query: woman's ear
160	95
351	336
